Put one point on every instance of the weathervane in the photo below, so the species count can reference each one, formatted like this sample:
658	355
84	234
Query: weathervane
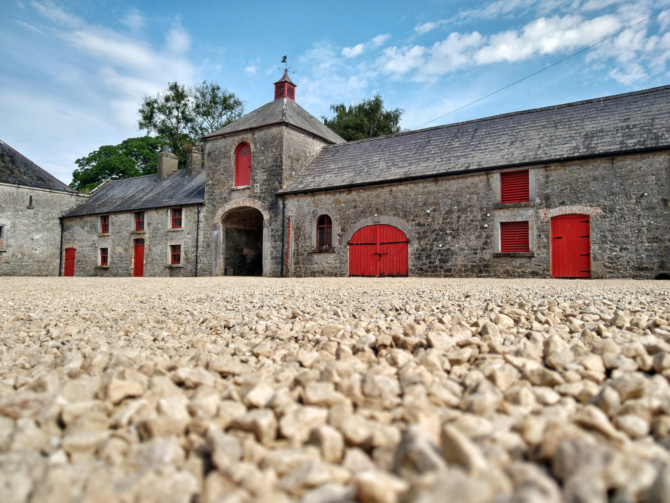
286	67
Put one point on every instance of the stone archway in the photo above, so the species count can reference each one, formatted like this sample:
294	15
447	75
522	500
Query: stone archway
241	237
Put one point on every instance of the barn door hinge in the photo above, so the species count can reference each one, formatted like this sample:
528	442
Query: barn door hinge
589	271
584	254
583	221
558	237
587	236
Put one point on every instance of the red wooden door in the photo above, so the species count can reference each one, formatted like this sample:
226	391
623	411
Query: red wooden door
68	269
378	250
138	262
243	166
571	246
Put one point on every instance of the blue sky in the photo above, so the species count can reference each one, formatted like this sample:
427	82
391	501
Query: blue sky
73	72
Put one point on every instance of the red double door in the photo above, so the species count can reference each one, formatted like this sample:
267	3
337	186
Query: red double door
378	250
571	246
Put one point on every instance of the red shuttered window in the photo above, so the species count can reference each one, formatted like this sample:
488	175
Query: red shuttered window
514	187
104	256
176	218
104	224
175	254
139	221
514	237
243	165
324	232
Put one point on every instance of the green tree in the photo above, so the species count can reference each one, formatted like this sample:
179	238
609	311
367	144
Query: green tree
132	157
184	115
213	108
364	120
169	115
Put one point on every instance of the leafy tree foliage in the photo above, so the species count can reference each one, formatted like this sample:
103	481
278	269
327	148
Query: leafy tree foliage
132	157
364	120
183	115
213	108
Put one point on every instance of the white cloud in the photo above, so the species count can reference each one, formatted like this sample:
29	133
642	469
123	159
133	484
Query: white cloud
87	82
540	37
429	26
134	20
352	52
251	69
380	39
358	49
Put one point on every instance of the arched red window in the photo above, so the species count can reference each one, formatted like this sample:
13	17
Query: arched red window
324	232
243	165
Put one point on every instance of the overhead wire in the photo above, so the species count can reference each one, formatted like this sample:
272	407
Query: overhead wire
546	67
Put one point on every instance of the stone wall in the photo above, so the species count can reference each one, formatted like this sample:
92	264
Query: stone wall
453	222
84	234
30	235
277	154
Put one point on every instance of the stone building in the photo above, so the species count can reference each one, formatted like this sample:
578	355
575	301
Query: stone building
31	202
143	226
577	190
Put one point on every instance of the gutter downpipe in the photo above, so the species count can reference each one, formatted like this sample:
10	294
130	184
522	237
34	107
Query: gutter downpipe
197	242
60	255
283	225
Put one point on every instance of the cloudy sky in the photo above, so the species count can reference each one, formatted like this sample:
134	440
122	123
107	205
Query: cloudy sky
73	72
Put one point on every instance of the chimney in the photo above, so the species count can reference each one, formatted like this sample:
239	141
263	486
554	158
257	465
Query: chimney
167	163
285	88
194	160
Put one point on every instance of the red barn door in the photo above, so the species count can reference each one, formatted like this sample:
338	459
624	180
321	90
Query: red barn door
68	269
571	246
138	262
378	250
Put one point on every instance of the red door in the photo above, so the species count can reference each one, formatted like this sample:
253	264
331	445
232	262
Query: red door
571	246
138	263
378	250
68	269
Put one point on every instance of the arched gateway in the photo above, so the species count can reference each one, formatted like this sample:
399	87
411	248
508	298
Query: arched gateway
242	239
378	250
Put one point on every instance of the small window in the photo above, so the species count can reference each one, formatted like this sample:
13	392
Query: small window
514	187
176	218
104	224
514	237
139	221
175	254
104	257
324	232
2	237
243	165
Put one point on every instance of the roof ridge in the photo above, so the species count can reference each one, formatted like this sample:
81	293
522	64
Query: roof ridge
506	114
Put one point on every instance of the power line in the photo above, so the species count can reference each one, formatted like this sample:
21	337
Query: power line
546	67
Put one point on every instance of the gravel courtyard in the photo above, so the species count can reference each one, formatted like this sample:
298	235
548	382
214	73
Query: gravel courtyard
333	390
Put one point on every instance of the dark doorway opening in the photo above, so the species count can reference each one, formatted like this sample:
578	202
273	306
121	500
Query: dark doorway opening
243	250
663	275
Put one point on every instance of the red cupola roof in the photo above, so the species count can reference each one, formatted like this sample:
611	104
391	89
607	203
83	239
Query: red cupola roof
285	88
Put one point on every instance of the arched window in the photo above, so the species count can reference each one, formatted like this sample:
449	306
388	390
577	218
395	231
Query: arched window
324	232
243	165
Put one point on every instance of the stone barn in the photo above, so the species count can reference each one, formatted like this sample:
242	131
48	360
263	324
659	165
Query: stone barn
579	190
31	203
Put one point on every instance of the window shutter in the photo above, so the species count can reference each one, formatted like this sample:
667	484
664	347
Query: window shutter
514	187
279	90
514	237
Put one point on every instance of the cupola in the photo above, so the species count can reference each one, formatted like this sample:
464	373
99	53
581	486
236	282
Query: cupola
285	88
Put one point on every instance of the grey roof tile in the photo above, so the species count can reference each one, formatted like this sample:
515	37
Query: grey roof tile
277	112
143	193
624	123
17	169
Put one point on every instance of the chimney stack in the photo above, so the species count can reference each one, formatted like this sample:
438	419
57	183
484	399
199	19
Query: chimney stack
194	160
167	163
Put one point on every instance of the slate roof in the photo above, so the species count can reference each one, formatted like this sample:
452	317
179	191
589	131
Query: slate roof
624	123
143	193
281	111
17	169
